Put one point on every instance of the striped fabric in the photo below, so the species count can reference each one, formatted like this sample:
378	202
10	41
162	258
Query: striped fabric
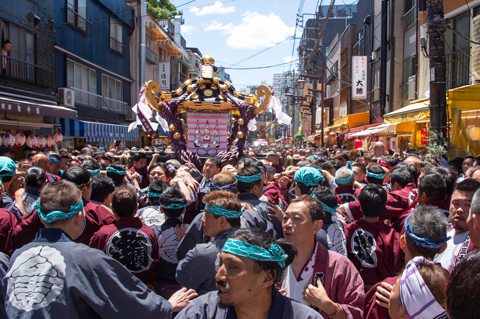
98	132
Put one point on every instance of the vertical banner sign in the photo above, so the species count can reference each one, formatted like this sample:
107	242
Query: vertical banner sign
164	76
359	78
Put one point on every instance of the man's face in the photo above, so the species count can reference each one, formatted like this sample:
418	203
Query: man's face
270	176
467	163
157	174
238	280
65	163
24	166
459	209
210	169
53	168
141	163
42	162
358	174
211	225
352	158
298	226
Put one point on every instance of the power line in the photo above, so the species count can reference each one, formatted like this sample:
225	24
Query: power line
299	11
258	53
263	67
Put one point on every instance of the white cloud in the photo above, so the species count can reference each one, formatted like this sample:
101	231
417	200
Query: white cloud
289	59
188	29
258	31
216	8
217	26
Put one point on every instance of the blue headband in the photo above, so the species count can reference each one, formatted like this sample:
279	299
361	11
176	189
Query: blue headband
262	168
309	176
222	211
152	194
331	210
345	180
215	187
423	242
248	179
110	169
56	214
349	165
240	248
54	160
313	157
173	206
94	172
377	176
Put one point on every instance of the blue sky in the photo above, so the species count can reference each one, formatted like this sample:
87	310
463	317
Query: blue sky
231	31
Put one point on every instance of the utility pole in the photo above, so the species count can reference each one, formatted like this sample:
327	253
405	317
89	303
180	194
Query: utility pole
383	59
436	52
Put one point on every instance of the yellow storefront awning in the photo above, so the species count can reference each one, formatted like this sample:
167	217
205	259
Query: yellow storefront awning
351	120
419	110
463	100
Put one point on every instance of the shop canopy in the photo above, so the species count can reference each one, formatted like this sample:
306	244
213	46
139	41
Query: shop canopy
350	121
97	132
380	129
417	111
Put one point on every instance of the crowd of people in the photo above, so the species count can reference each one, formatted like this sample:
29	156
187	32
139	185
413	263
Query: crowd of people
281	233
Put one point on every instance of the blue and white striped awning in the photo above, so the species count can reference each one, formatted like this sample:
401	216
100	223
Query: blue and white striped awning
97	132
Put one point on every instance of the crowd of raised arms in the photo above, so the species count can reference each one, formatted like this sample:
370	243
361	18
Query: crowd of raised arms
282	233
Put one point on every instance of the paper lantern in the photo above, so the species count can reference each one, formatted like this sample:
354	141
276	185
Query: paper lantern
422	138
393	144
50	141
32	141
9	140
358	144
41	141
20	139
58	137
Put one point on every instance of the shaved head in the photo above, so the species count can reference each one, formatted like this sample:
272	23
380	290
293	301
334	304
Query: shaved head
344	173
40	160
415	162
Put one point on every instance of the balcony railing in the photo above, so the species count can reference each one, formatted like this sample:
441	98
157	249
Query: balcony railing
99	102
458	68
26	72
183	42
410	17
151	56
116	46
167	25
76	20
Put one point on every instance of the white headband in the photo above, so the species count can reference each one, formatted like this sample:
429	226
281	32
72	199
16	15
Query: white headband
418	301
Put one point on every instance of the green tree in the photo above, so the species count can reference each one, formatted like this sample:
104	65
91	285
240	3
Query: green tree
162	9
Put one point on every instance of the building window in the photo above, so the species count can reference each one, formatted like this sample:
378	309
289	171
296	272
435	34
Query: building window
458	62
84	80
112	88
116	36
77	14
409	69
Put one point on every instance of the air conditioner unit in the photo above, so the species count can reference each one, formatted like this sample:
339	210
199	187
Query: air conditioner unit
67	96
475	36
374	55
411	87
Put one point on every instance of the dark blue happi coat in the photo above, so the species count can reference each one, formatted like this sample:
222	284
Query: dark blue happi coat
54	277
207	307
